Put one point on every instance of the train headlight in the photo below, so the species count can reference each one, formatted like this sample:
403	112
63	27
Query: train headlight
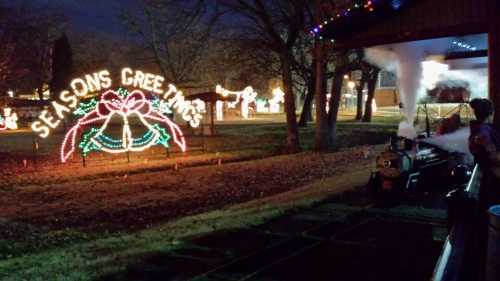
389	164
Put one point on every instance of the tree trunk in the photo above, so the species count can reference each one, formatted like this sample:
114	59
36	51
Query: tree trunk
336	92
40	91
359	89
291	118
306	115
321	142
372	83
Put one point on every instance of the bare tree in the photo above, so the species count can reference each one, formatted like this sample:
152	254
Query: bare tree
359	90
372	78
321	139
11	65
235	62
29	33
345	61
275	25
45	27
62	66
342	62
176	33
92	52
304	74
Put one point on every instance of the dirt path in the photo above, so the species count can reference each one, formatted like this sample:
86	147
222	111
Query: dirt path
145	199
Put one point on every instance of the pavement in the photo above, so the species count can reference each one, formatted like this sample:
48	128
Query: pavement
343	238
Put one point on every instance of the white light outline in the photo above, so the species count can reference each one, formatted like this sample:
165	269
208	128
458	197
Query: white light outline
274	103
245	98
9	120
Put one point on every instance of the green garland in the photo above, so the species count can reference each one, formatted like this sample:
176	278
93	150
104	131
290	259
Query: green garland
85	108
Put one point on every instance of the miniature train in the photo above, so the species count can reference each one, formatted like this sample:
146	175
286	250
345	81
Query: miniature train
414	167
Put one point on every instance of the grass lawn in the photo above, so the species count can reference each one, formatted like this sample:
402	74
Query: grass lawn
67	222
35	253
245	140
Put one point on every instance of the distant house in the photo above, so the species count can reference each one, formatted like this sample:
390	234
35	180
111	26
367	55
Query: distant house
387	93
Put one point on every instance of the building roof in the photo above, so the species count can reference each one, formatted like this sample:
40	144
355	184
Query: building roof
210	97
420	19
28	103
14	102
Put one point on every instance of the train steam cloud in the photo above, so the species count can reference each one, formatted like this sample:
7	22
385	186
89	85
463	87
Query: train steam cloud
404	60
416	75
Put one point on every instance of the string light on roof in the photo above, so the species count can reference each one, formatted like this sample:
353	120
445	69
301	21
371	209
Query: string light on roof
464	45
369	6
347	12
396	4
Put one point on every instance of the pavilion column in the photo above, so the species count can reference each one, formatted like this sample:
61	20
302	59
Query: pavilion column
494	58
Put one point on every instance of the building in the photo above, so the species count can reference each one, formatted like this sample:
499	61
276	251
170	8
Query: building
426	21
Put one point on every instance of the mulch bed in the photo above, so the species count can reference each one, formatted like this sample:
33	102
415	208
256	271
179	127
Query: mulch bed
135	201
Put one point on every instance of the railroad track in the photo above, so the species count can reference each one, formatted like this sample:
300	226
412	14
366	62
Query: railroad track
332	240
323	242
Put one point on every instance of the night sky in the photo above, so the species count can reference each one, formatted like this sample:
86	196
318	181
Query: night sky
87	15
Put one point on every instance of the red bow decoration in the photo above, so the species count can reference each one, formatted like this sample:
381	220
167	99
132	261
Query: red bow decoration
112	102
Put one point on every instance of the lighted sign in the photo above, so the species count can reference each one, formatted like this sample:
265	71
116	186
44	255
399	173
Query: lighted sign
121	105
245	97
9	121
274	103
191	111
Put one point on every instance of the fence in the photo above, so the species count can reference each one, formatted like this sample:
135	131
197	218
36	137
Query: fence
462	214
